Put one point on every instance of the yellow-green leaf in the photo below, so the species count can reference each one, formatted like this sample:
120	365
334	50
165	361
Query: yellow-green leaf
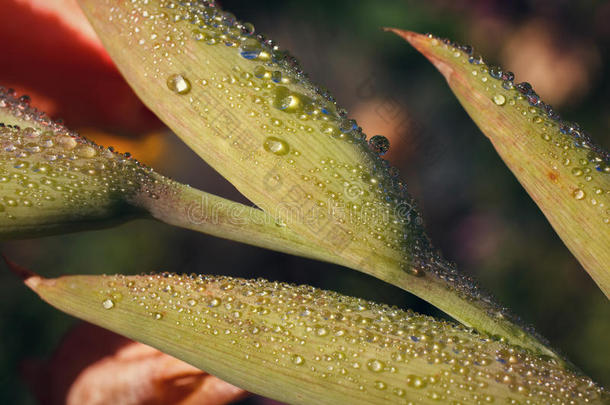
566	174
54	181
302	345
248	110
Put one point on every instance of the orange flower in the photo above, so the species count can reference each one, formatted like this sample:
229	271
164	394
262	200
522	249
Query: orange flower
51	53
96	367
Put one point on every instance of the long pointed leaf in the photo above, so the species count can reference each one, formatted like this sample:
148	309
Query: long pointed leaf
249	111
566	174
53	181
302	345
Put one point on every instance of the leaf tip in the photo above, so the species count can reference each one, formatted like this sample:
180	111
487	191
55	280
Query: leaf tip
425	45
415	39
31	279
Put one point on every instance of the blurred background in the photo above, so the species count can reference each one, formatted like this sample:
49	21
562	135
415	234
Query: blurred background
475	210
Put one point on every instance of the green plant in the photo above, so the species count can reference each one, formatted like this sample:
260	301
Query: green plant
208	75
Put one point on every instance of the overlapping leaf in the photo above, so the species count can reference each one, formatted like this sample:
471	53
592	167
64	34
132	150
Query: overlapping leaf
566	174
302	345
53	181
246	108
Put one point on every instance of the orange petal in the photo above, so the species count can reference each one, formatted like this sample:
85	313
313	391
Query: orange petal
51	52
149	147
94	366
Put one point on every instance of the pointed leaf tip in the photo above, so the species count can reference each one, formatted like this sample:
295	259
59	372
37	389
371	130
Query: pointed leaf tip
27	276
421	43
556	161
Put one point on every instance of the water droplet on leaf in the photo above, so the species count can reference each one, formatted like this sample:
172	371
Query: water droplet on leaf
276	146
379	144
179	84
499	99
108	304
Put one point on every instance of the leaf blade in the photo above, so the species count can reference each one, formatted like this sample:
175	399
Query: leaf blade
564	172
300	344
248	111
52	181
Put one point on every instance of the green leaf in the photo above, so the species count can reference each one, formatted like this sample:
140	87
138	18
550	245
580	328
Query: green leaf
54	181
562	169
249	111
302	345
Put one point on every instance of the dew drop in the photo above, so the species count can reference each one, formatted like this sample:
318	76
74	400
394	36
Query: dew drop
380	385
499	99
285	100
276	146
399	392
248	28
250	49
108	304
415	381
379	144
31	132
86	151
259	72
375	365
179	84
276	76
298	360
578	194
322	331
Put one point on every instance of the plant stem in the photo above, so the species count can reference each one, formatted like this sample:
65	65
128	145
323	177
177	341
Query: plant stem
186	207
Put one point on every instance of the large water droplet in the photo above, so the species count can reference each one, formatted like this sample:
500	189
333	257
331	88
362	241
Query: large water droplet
276	146
298	360
499	99
67	142
250	49
379	144
578	194
179	84
108	304
86	151
248	28
285	100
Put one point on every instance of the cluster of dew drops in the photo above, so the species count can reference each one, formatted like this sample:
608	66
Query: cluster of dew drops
358	343
47	163
229	31
213	26
565	136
